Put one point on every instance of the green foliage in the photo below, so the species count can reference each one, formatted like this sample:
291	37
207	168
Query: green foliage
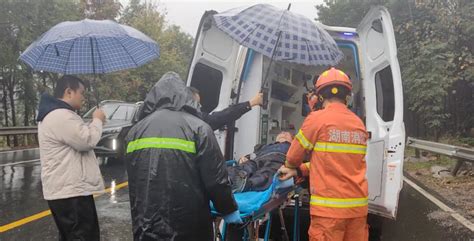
101	9
467	141
19	28
417	166
175	54
457	141
435	48
343	13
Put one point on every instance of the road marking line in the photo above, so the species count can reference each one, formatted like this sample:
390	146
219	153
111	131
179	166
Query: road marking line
23	221
15	163
117	187
441	205
45	213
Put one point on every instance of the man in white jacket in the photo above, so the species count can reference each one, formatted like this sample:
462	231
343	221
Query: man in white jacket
70	172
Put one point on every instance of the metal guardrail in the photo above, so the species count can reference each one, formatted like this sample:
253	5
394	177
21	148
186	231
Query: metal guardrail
30	130
462	154
18	130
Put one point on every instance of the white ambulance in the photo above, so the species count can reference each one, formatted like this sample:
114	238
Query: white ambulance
227	73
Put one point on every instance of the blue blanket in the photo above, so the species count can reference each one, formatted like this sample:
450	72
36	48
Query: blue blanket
249	202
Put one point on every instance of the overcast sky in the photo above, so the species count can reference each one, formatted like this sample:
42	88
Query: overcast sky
187	14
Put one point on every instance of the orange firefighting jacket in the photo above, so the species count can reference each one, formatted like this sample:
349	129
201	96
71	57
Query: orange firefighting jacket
335	140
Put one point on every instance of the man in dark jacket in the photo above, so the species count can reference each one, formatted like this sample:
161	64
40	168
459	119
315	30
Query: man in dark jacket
219	119
175	167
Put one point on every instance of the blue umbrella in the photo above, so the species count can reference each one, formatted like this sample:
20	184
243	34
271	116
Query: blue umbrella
280	34
90	47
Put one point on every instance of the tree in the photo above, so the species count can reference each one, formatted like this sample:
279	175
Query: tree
20	86
101	9
175	54
434	40
344	13
18	28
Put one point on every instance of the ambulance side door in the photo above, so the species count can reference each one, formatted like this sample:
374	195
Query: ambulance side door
382	87
213	69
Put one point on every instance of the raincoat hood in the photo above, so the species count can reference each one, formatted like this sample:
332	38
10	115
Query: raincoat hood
173	160
169	92
49	103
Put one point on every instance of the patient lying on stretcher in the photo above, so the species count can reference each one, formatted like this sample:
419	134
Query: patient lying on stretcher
255	171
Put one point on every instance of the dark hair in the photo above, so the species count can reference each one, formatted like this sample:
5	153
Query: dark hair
193	90
342	92
67	81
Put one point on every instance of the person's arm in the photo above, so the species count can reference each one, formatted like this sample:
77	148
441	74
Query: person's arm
218	119
74	132
214	173
232	113
303	142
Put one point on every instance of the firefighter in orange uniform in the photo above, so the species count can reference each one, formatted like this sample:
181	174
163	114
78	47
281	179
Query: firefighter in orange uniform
334	139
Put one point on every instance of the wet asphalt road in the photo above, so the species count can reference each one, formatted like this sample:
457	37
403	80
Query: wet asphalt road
21	197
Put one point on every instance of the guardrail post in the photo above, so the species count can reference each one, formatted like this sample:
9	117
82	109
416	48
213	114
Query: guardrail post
417	153
26	140
456	168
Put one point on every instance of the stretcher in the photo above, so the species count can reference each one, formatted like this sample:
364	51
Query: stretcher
256	208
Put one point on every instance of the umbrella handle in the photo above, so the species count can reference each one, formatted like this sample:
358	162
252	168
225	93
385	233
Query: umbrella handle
97	99
265	98
264	89
96	92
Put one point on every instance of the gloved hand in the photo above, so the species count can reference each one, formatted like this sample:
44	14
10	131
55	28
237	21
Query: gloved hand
233	217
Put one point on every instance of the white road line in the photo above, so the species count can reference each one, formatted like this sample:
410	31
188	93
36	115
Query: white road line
441	205
20	150
16	163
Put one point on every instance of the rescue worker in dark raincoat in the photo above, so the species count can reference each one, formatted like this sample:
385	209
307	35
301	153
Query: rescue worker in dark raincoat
175	167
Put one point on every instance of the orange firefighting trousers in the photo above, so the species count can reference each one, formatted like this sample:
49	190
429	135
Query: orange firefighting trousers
338	229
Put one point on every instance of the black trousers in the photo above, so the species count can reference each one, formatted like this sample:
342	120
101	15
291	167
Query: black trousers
76	218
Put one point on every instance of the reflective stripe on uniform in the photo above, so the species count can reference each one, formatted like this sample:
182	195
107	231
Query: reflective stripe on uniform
304	141
339	202
340	147
162	143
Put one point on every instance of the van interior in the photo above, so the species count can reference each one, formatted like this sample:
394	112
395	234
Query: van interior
288	85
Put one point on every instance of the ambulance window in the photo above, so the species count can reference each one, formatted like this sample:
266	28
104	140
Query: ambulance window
208	81
385	94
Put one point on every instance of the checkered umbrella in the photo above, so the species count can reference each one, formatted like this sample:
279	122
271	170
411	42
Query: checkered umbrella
262	26
90	47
